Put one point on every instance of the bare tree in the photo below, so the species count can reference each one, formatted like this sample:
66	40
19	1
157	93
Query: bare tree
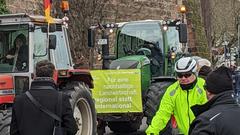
82	14
220	21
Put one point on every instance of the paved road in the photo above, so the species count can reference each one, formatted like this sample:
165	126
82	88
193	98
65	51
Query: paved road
140	132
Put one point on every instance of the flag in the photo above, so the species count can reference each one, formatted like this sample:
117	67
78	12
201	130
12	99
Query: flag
47	9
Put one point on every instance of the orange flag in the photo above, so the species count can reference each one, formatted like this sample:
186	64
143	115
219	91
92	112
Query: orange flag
47	9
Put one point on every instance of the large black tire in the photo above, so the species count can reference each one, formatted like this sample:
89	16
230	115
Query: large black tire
125	126
154	96
83	108
153	100
5	120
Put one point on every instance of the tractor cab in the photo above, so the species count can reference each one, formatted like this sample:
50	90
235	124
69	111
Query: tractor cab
25	40
152	39
160	41
142	38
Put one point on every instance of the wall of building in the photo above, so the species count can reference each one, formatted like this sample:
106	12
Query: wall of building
128	10
24	6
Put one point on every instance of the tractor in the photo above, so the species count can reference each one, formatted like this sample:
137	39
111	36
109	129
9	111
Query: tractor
44	41
151	46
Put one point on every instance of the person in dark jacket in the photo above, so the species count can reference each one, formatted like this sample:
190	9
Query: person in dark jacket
204	71
18	56
221	114
204	67
27	119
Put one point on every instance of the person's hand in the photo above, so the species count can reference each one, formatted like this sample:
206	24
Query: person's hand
10	56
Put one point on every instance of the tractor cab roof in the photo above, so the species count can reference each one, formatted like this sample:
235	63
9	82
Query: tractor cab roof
168	22
25	18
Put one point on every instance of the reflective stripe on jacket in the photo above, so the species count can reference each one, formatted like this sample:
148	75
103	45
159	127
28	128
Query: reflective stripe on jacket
177	102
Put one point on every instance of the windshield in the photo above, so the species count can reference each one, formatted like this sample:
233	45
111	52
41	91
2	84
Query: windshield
40	45
14	56
60	56
173	39
133	36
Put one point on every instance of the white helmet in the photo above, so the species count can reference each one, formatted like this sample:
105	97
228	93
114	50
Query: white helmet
186	64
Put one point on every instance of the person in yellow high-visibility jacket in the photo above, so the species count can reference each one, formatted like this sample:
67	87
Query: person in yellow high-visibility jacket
179	97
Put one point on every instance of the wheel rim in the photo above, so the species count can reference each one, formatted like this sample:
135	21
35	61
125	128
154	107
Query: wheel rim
83	117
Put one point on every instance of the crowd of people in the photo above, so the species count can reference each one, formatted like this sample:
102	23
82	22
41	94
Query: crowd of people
201	101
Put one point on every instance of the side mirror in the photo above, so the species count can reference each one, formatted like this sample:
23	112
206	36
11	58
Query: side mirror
91	37
52	42
52	28
182	29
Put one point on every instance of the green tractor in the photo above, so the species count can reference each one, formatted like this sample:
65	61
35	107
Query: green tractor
152	46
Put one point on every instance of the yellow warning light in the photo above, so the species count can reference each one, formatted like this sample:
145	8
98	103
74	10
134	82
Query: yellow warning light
183	9
173	55
65	6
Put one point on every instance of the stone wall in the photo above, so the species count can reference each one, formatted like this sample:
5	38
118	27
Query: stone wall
114	10
124	10
24	6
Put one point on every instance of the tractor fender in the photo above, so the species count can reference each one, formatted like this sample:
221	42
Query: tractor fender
79	75
7	92
83	107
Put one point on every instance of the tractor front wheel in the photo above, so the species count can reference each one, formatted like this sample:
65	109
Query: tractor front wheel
154	97
83	108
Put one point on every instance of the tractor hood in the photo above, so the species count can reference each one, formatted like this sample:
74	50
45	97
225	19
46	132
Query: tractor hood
130	62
